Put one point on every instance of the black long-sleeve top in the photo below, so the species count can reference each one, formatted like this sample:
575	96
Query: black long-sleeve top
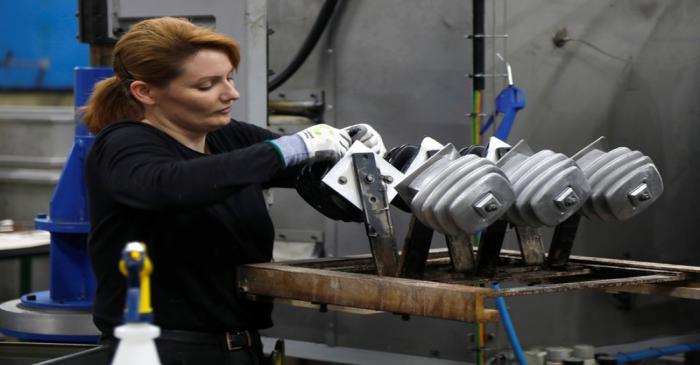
200	216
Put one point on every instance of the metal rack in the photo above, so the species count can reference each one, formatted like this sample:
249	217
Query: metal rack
449	284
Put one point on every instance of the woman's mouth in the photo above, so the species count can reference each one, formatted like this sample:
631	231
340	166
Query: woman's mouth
225	111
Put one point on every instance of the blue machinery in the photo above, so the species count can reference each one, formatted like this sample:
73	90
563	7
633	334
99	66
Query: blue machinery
62	314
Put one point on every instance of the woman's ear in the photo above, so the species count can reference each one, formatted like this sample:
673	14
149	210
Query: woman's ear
143	92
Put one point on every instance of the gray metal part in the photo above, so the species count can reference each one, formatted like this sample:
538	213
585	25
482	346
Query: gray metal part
468	188
444	196
468	178
16	317
427	145
464	214
542	201
537	182
345	170
435	185
614	178
612	174
516	155
595	148
521	176
409	186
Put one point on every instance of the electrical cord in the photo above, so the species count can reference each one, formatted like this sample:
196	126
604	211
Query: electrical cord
589	44
322	20
560	41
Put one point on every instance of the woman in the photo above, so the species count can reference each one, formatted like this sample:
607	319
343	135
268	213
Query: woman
170	168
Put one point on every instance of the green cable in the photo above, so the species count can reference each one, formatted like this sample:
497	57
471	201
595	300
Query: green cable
475	116
476	107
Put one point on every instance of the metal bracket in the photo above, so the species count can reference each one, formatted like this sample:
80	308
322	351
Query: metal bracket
490	248
562	242
416	248
531	245
461	252
376	214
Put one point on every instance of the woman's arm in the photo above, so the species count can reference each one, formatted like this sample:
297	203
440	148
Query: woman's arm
142	169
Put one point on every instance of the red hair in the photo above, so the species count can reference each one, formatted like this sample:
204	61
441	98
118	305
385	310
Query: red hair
152	51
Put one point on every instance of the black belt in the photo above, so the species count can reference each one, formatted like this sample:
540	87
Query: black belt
231	341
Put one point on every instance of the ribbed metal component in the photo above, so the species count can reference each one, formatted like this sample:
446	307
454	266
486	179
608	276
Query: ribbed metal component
457	195
549	187
623	182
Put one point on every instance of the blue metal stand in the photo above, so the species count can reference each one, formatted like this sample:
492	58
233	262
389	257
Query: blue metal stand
72	284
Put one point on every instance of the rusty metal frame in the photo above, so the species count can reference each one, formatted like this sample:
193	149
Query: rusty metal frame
444	293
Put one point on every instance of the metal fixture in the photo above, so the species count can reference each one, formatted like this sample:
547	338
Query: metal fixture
457	195
624	182
549	186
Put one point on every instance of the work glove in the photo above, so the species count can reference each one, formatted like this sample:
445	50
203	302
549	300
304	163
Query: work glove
318	142
325	142
368	136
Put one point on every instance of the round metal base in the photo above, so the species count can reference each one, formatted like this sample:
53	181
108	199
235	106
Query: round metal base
55	325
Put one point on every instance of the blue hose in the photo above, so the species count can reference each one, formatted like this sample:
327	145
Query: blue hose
656	352
508	325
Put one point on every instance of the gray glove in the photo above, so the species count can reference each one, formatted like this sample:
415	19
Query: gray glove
368	136
320	141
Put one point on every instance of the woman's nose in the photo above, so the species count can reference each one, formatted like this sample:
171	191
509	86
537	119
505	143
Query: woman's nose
231	93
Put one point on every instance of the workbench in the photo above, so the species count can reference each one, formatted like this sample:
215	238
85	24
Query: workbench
441	293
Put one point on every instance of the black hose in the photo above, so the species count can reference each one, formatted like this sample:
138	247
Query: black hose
322	20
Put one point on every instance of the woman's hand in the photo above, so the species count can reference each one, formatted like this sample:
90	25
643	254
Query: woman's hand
325	142
368	136
320	141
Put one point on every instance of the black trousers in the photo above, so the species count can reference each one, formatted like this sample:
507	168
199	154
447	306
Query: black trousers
188	353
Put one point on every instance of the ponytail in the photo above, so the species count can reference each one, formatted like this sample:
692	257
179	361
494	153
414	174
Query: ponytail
110	102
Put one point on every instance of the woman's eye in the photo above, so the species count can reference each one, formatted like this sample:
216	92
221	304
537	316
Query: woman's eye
204	87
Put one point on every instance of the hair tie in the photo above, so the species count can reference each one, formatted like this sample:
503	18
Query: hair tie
123	67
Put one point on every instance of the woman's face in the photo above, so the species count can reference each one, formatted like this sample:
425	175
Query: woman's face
200	99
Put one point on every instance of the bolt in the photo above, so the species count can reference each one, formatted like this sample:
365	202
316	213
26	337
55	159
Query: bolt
491	207
342	180
388	179
570	201
369	178
640	194
487	205
566	199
